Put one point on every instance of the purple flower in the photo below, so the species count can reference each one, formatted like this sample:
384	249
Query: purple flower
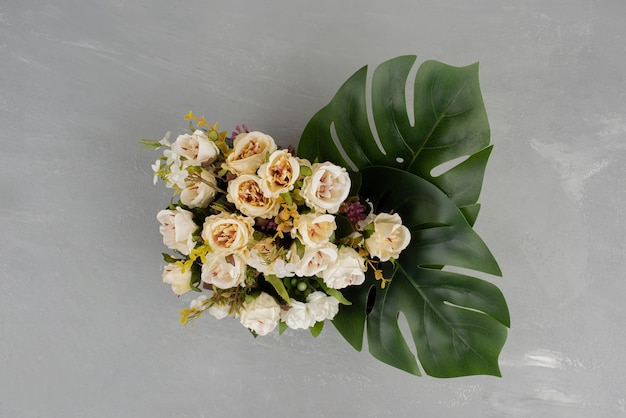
354	210
238	130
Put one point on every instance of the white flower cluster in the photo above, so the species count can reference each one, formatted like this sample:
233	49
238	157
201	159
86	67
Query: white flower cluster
256	226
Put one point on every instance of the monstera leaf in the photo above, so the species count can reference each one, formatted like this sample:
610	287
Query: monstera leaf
449	124
458	323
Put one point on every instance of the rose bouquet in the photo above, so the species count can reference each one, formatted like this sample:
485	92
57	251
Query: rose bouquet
358	226
258	228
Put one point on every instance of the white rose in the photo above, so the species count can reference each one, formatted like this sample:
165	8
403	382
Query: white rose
321	306
199	193
219	311
297	316
261	315
245	192
389	238
349	269
326	188
249	152
315	260
313	229
196	148
177	227
227	233
223	272
173	275
279	173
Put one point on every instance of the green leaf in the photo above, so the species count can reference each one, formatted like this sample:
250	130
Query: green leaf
278	286
282	327
305	171
344	227
440	235
149	144
169	259
458	323
317	328
355	182
350	321
449	122
194	281
422	147
333	292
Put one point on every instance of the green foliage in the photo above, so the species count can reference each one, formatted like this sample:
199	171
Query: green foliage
317	328
169	259
457	322
449	122
282	327
278	286
149	144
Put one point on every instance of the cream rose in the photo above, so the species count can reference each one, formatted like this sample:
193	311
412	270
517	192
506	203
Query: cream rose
315	260
173	275
321	306
261	315
223	272
349	269
326	188
199	193
279	173
196	148
389	238
249	152
177	227
313	229
297	316
227	233
245	192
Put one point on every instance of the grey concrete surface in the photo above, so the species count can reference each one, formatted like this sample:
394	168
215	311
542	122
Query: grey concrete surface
87	329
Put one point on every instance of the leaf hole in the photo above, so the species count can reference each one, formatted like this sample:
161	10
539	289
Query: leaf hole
344	155
370	110
405	330
399	160
409	91
447	166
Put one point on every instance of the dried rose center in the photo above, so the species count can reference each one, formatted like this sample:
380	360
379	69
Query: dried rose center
317	229
191	148
281	173
324	191
251	193
250	149
225	235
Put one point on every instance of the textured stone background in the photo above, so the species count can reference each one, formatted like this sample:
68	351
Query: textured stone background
87	329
